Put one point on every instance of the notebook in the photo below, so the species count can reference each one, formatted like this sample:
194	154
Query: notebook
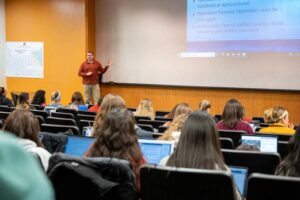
77	145
240	177
155	150
263	143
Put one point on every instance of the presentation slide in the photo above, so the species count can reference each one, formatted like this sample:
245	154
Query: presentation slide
243	26
251	44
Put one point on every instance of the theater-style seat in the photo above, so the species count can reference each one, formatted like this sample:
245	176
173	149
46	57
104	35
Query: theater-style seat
232	134
255	161
268	187
167	183
226	143
91	178
53	128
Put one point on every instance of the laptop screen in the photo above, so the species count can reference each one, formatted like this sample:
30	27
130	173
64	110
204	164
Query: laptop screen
240	176
155	150
263	143
77	146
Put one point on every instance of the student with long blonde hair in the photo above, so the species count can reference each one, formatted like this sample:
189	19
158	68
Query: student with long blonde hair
145	108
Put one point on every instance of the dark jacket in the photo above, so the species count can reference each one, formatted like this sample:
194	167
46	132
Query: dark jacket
5	101
91	178
54	142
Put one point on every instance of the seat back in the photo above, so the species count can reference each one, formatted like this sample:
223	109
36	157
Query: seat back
283	149
54	128
226	143
146	127
132	109
67	110
91	178
42	113
258	119
161	113
85	117
40	119
155	123
263	187
162	129
138	118
167	183
255	161
4	115
4	108
37	107
82	112
159	118
62	115
218	117
232	134
60	121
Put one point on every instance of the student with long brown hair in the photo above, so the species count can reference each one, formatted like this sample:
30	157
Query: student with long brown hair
232	118
109	102
290	165
182	108
198	145
116	138
25	125
77	102
23	101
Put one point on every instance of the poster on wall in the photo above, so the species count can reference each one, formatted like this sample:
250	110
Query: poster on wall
25	59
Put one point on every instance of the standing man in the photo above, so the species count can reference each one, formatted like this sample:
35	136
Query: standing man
89	71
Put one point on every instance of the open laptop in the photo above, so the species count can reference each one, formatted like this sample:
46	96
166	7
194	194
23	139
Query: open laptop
78	145
240	177
155	150
263	143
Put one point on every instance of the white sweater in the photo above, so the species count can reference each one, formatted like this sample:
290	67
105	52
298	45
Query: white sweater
31	147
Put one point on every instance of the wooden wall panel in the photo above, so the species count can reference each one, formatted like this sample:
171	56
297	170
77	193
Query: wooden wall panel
164	98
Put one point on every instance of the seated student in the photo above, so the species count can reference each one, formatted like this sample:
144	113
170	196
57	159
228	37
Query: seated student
279	122
117	138
247	147
96	108
3	99
205	106
111	101
23	102
232	118
198	145
268	115
77	102
171	114
21	176
145	108
174	130
39	98
25	125
55	100
290	165
182	108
